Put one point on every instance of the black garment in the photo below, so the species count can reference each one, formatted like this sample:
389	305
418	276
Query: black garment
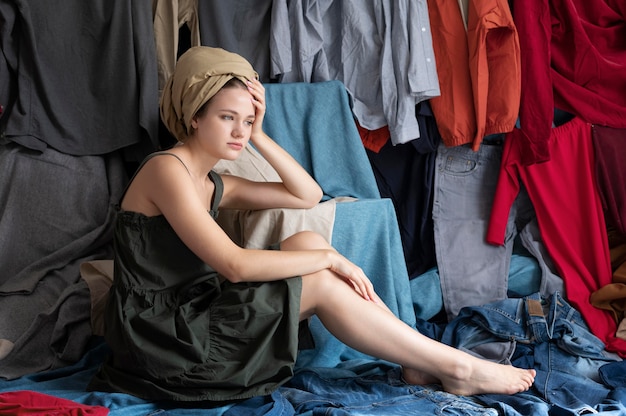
405	173
86	75
179	331
239	26
55	213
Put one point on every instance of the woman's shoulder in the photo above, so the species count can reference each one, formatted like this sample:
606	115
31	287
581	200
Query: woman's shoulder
160	172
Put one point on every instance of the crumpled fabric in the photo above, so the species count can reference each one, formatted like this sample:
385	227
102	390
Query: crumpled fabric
199	74
25	402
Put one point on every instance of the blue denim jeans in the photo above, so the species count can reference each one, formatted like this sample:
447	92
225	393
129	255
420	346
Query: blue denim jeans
336	392
550	336
372	389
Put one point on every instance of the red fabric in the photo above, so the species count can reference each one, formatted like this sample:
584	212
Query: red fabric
570	216
610	148
373	140
26	402
573	57
532	19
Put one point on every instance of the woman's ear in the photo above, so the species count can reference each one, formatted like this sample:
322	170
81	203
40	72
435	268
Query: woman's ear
194	123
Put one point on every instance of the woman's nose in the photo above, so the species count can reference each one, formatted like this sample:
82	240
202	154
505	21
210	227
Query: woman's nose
238	131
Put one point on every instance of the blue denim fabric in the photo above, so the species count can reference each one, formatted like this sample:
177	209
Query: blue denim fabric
550	336
275	404
525	404
335	392
614	374
520	404
357	392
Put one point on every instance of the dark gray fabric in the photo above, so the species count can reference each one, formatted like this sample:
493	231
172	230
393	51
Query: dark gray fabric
56	332
55	212
7	75
87	81
239	26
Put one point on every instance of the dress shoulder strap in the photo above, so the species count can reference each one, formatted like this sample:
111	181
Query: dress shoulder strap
219	191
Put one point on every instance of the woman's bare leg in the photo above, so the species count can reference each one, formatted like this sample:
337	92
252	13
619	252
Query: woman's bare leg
374	330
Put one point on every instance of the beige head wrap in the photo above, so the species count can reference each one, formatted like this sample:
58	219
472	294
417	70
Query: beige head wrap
199	74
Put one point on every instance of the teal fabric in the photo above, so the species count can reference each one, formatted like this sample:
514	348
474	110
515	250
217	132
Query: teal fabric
313	122
366	232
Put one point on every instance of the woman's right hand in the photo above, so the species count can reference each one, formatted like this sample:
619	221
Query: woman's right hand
257	90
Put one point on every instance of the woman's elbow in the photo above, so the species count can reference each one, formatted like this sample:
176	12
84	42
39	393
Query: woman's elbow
314	198
232	274
233	278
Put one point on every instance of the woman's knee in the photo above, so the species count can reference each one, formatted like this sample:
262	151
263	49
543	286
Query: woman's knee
319	289
304	240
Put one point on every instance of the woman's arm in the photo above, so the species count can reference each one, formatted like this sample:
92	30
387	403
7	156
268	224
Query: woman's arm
297	189
164	184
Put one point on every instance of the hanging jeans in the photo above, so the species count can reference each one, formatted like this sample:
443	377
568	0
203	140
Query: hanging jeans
473	272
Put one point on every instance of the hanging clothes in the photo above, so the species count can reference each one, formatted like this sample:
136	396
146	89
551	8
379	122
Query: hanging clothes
405	174
574	59
478	69
351	41
78	91
569	213
471	271
168	17
243	27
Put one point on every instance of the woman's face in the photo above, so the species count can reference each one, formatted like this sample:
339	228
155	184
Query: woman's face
225	128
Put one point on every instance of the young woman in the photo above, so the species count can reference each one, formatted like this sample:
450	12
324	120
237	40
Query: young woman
193	316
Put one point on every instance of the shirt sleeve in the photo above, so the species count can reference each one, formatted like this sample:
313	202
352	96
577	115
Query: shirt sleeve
507	188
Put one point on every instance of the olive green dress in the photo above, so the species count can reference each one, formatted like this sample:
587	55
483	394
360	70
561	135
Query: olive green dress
179	332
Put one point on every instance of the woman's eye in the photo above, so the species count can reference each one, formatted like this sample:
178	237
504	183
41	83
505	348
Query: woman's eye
249	123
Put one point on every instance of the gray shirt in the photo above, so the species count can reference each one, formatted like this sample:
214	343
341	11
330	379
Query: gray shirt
381	50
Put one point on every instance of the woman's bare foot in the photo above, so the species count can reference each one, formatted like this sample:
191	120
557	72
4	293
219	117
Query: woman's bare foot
476	376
